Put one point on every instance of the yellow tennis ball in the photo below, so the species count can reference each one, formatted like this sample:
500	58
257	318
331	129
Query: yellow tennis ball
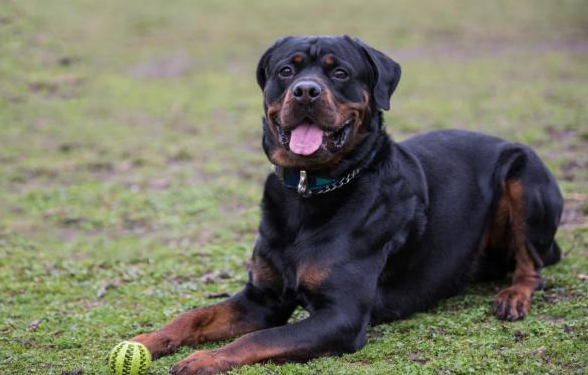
129	358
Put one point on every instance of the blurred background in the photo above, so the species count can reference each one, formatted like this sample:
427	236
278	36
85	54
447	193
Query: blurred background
131	166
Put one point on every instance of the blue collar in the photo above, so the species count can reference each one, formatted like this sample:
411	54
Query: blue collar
307	183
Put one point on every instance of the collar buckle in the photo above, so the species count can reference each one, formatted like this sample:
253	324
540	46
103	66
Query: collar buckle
302	188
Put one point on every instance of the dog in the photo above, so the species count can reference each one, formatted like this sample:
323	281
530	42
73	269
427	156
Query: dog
360	230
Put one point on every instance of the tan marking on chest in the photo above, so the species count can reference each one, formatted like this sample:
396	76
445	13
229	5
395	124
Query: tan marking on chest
312	275
263	274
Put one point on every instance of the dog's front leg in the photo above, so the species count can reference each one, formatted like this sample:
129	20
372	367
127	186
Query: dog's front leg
333	330
247	311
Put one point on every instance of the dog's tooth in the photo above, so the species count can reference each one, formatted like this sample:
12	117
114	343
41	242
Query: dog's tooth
328	134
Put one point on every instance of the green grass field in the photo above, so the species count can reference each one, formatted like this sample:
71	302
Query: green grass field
131	168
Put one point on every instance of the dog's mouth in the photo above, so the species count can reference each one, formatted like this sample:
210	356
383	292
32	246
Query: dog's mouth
307	137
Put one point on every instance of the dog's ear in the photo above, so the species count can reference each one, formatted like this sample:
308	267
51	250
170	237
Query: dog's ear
386	74
263	61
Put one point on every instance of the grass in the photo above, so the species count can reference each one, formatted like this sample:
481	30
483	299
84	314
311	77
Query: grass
131	168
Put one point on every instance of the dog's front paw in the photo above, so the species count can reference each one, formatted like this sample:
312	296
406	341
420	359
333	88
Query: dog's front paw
158	343
202	363
512	304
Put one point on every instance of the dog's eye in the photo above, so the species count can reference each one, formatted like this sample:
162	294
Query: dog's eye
286	72
340	74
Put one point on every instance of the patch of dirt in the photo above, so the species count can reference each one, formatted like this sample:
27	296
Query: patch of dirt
569	169
519	336
561	134
215	277
35	324
556	295
417	358
373	334
160	183
551	319
539	351
179	156
64	87
574	214
167	67
108	285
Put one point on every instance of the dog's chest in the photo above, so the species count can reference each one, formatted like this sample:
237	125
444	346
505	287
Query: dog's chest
302	278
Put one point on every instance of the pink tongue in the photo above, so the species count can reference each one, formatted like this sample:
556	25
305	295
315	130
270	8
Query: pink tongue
306	139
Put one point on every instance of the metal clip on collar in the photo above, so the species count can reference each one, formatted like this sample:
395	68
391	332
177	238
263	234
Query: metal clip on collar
303	185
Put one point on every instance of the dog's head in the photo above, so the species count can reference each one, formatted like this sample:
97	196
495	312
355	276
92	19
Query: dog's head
320	97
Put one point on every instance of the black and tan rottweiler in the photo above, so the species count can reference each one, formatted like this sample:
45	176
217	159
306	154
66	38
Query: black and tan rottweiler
361	230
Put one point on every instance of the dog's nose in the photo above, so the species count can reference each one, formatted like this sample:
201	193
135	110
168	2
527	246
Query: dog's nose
306	91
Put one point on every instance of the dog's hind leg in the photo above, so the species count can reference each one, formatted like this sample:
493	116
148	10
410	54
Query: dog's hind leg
514	302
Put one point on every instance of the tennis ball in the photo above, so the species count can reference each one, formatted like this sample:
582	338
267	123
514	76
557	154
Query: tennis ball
129	358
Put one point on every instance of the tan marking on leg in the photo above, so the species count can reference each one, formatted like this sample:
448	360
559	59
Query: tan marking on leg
243	351
500	222
513	303
210	323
